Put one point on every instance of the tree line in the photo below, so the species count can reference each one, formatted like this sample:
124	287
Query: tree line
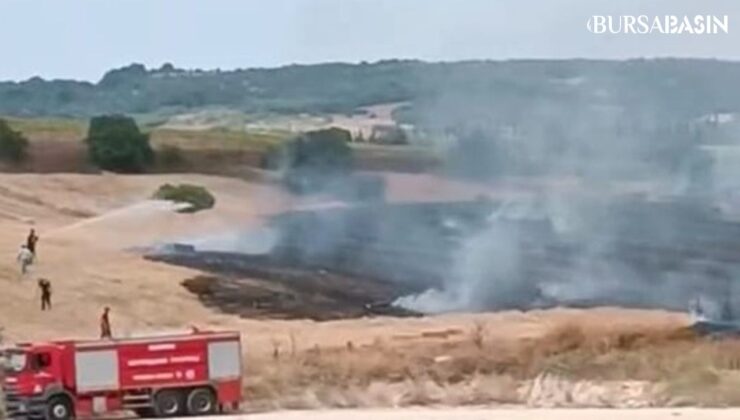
115	143
682	87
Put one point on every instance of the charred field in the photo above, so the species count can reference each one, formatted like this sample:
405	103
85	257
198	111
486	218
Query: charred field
401	259
256	286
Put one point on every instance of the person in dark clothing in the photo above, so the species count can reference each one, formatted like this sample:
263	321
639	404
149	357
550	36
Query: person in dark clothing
105	331
45	287
31	241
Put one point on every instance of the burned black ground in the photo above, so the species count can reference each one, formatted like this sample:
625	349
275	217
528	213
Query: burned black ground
254	287
355	261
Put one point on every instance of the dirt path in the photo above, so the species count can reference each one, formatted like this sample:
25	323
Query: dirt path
499	414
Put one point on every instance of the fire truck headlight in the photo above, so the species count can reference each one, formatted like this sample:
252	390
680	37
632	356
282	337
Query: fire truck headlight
37	389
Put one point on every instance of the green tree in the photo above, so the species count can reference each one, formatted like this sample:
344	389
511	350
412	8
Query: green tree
115	143
314	159
13	144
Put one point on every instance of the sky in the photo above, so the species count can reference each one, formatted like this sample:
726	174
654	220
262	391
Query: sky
82	39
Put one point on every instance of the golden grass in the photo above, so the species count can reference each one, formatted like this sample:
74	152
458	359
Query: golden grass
475	369
375	375
212	143
214	139
62	129
58	129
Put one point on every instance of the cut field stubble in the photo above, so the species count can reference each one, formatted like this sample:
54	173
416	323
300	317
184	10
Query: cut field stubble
675	366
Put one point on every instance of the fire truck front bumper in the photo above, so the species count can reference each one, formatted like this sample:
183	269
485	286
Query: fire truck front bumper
20	407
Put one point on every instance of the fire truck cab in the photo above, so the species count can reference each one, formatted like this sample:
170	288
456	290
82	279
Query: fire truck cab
170	375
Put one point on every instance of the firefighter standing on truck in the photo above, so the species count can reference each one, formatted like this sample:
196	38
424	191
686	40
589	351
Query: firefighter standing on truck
105	331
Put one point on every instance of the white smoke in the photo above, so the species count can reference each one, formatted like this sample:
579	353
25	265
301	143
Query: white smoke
256	241
492	267
599	142
486	267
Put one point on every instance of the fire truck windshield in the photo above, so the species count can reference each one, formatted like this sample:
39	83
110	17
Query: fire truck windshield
15	361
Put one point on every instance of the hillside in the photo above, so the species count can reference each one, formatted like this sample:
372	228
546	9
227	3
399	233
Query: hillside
89	224
691	88
637	119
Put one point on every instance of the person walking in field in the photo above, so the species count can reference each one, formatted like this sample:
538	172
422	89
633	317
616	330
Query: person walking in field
24	258
105	331
31	241
45	287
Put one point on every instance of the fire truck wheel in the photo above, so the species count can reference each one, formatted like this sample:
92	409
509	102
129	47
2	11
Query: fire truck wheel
201	401
59	408
168	403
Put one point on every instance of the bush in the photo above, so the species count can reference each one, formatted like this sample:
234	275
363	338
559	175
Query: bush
198	197
13	144
312	160
115	143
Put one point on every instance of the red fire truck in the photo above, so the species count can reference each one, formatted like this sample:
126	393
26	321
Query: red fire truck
196	373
